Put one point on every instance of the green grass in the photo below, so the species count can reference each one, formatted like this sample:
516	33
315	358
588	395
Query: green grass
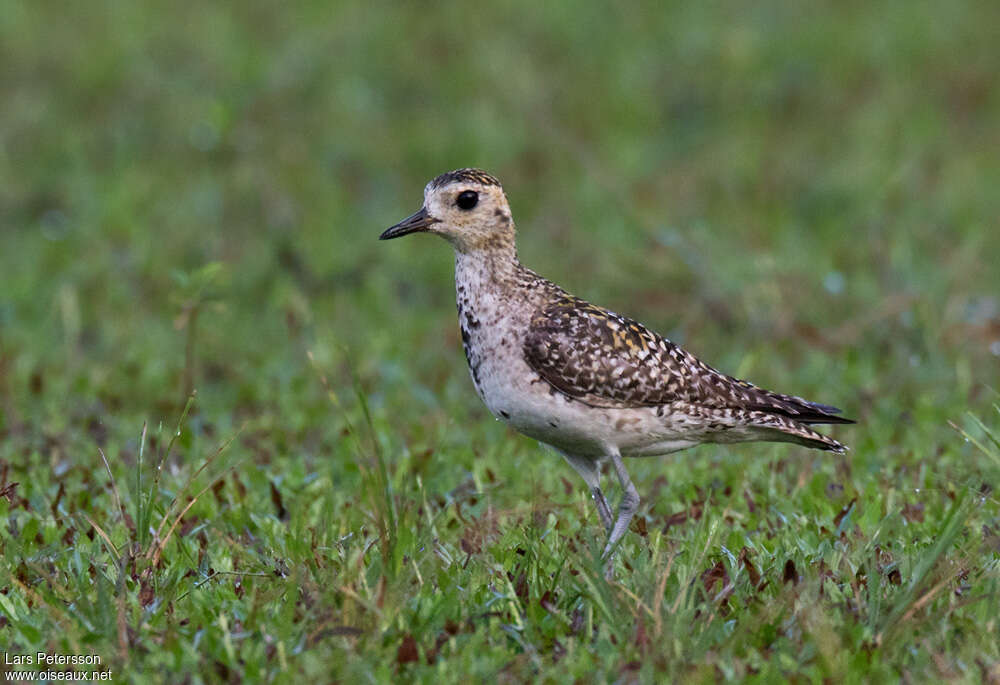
190	197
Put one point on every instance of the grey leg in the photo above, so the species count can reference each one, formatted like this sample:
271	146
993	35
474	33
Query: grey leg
627	508
590	471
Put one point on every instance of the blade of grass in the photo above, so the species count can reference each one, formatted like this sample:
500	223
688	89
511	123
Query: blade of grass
163	543
382	505
139	516
187	484
114	486
385	510
104	536
949	531
982	448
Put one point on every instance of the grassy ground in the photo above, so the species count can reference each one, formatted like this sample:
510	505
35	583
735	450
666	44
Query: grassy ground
189	200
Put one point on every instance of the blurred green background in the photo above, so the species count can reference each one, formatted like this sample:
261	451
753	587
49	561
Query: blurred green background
803	194
728	174
775	186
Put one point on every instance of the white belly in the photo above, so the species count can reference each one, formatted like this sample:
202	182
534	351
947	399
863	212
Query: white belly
516	395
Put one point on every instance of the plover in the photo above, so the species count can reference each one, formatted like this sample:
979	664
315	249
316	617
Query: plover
592	384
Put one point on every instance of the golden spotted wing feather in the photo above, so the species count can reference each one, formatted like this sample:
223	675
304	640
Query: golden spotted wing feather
607	360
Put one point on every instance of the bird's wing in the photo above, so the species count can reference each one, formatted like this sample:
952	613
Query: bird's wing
607	360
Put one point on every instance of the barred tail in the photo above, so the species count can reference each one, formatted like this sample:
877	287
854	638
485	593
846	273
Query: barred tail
783	429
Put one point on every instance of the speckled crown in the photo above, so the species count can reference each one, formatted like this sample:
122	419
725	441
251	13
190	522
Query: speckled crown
467	176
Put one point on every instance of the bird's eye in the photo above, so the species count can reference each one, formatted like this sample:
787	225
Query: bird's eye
467	199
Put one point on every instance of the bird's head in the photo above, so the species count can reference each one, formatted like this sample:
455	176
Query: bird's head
467	207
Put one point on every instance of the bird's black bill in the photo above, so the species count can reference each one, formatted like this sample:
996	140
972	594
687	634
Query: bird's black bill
414	223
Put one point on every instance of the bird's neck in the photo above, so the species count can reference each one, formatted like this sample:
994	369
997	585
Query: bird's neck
488	270
494	286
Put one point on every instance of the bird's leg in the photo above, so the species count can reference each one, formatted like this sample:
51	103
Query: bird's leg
589	470
603	508
626	510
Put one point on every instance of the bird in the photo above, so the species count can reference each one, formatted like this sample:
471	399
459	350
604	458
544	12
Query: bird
592	384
